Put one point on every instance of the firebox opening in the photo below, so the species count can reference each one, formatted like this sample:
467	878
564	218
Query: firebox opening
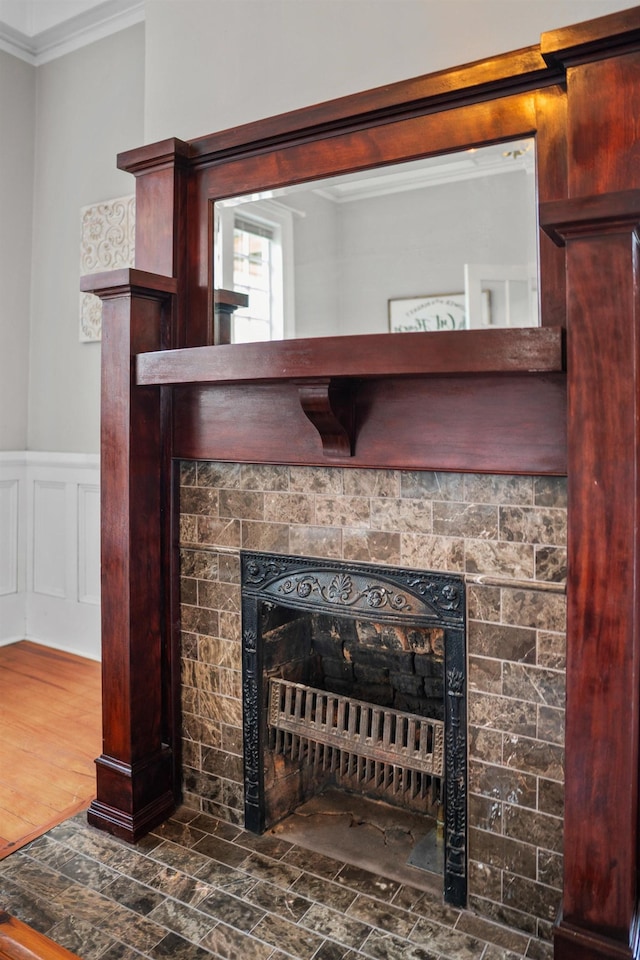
355	738
354	694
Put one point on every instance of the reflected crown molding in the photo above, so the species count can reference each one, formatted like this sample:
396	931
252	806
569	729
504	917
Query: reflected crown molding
96	21
497	159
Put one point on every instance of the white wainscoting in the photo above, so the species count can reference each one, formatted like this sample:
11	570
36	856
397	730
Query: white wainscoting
50	550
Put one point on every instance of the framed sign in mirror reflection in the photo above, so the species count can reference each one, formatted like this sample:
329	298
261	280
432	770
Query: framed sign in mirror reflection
435	312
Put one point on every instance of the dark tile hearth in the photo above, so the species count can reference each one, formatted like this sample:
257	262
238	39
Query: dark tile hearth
200	887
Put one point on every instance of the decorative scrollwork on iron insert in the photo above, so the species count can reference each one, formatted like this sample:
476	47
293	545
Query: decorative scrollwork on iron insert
257	570
341	591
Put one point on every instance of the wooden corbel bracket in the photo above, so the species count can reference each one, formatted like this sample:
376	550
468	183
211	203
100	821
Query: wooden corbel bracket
329	403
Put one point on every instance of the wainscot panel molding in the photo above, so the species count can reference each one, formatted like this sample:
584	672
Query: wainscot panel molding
13	542
50	550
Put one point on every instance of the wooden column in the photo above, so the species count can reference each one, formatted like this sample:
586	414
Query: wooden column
598	224
162	198
601	795
225	304
160	171
135	788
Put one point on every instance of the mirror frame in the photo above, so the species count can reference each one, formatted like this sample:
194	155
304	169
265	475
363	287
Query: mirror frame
345	145
510	97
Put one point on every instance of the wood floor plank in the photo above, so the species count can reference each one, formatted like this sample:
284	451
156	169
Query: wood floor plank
65	702
55	672
14	825
80	738
17	805
43	781
14	687
50	718
30	737
11	683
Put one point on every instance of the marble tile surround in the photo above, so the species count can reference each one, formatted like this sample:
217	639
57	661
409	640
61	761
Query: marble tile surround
198	887
505	534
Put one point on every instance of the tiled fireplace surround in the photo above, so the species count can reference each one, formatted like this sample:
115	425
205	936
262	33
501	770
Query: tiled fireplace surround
506	534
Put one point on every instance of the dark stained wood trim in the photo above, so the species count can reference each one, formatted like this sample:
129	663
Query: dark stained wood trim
598	225
162	154
224	304
551	159
135	789
501	75
349	150
575	943
329	404
346	151
117	283
581	216
526	350
603	667
172	660
508	424
592	39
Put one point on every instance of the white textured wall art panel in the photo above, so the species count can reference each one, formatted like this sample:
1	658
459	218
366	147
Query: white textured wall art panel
88	543
107	243
49	538
9	532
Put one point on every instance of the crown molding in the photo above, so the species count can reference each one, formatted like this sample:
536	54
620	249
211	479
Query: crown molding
94	24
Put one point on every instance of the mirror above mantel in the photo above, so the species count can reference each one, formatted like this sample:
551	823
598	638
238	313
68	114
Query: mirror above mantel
446	242
364	160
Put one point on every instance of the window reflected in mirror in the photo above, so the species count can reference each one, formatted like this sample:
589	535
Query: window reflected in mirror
442	243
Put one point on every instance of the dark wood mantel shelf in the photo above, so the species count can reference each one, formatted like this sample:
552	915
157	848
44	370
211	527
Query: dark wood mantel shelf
333	381
475	399
445	353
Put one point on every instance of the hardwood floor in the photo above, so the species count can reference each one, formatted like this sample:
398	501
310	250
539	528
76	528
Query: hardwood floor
50	735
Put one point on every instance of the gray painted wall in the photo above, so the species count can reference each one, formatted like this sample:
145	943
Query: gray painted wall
213	64
17	121
89	108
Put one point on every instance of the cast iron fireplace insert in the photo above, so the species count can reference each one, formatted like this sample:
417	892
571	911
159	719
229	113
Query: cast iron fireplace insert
311	716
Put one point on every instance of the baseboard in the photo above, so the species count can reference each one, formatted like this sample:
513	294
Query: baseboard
575	943
88	650
131	827
7	641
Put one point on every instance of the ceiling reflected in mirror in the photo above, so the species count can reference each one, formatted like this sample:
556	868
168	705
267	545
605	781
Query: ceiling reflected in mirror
441	243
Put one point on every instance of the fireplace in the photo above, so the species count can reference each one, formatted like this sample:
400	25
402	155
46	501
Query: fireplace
551	402
355	676
503	536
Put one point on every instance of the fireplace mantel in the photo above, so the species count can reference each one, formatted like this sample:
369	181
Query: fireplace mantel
168	393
